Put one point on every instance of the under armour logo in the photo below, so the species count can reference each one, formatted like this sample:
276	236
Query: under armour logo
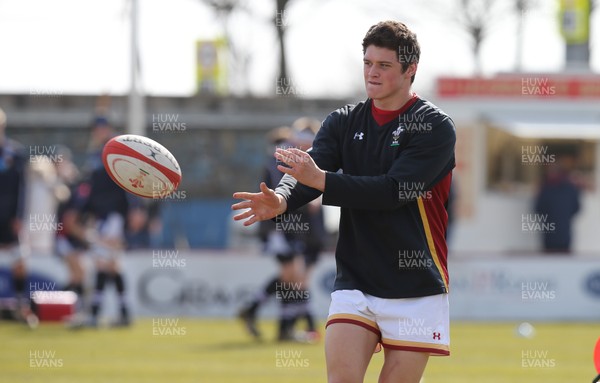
359	135
437	335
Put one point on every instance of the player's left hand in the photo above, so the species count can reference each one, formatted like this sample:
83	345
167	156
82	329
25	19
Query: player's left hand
302	167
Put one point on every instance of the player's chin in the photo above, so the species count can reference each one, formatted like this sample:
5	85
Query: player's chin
374	91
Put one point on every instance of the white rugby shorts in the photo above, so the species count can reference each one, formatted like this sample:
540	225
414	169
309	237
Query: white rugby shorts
412	324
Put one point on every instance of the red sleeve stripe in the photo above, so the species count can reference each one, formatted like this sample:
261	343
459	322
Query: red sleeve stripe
433	212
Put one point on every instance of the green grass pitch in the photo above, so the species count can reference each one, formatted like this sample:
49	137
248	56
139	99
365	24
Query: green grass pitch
219	351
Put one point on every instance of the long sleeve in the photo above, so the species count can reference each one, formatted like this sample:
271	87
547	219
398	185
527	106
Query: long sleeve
428	157
326	154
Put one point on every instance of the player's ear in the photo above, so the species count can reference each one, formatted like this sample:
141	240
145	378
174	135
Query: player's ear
412	69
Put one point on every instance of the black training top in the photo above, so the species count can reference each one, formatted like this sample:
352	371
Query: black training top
393	194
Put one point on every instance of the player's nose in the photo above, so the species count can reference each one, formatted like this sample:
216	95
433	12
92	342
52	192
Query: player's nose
373	72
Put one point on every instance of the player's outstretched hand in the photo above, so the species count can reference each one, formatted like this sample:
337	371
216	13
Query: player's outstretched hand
260	206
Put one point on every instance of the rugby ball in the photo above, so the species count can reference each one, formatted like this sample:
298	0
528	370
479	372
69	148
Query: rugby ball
141	166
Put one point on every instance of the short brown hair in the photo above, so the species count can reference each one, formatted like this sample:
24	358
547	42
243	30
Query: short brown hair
395	36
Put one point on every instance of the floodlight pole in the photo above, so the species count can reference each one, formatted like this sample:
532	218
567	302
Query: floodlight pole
521	9
136	112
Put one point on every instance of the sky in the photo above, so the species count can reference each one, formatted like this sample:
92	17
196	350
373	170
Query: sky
82	47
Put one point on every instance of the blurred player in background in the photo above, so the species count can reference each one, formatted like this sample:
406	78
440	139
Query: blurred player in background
106	207
137	229
50	193
559	199
396	151
12	201
71	242
309	242
295	249
276	243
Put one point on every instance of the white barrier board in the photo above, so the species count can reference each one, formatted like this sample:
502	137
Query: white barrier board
216	283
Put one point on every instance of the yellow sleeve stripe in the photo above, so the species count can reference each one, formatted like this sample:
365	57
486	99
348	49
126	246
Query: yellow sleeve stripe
430	242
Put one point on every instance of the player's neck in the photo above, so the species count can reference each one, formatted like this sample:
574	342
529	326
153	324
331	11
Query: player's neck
394	102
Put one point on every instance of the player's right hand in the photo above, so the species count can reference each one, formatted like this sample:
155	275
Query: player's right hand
260	206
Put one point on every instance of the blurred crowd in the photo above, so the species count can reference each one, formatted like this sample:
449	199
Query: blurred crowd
76	210
50	202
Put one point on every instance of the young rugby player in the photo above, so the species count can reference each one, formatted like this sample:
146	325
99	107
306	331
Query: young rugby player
396	153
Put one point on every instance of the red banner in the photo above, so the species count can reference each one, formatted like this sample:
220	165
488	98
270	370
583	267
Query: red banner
526	86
